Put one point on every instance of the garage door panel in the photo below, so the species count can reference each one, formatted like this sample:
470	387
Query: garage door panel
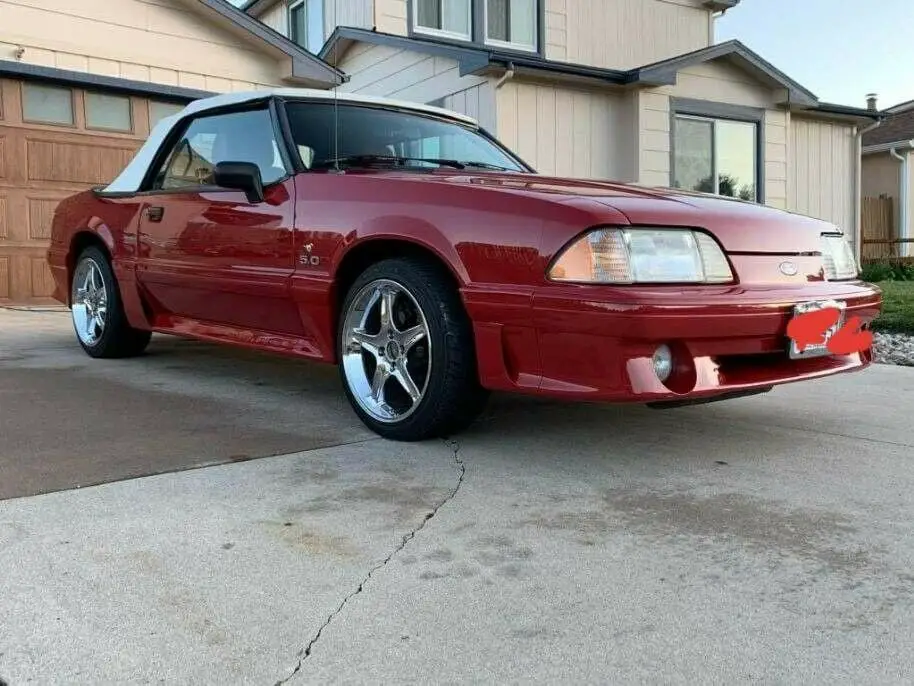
4	277
4	218
24	274
40	165
41	215
4	151
42	280
89	162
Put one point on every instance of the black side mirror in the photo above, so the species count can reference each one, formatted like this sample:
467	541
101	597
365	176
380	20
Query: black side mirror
243	176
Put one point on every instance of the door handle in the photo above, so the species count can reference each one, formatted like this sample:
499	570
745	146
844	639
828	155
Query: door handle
155	214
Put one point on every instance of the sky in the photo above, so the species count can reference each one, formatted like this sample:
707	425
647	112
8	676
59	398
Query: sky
840	50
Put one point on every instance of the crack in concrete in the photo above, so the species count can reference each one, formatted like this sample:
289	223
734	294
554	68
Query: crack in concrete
306	653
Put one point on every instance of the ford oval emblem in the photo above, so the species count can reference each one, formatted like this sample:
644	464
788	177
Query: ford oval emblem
788	268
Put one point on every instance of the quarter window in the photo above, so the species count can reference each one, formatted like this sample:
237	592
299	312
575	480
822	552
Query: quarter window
47	104
236	137
110	112
306	24
717	156
512	22
446	17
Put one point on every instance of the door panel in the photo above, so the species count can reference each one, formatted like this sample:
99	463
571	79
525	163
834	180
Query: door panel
216	257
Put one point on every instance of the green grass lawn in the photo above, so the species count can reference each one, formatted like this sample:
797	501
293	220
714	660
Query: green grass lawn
897	308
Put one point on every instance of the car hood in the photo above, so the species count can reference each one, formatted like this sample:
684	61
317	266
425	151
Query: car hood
740	226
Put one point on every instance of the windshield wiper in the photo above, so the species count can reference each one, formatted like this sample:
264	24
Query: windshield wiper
368	159
397	159
485	165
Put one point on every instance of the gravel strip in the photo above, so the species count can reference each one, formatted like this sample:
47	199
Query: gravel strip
893	348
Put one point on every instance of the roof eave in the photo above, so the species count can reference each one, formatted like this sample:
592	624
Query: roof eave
886	147
665	72
302	67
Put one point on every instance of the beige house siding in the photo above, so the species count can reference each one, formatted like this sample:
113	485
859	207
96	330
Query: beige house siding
822	168
156	41
714	83
355	13
623	34
277	18
390	16
654	134
477	102
392	72
720	82
881	175
567	131
777	149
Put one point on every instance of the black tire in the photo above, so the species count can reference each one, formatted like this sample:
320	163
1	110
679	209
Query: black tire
453	397
118	339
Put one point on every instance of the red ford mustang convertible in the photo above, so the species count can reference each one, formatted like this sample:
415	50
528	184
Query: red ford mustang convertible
405	244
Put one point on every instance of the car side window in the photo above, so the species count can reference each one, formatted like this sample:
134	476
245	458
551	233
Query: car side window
246	136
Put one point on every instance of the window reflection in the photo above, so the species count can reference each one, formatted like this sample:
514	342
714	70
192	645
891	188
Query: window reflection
716	156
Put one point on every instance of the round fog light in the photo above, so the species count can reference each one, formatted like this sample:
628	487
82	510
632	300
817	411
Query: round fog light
663	362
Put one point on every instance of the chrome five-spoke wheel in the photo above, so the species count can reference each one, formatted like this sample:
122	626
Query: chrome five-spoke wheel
386	351
407	352
90	302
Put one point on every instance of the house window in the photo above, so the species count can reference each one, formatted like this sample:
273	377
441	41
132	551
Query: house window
47	104
713	155
306	24
512	23
449	18
108	112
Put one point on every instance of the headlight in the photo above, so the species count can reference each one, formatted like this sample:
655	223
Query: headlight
642	256
838	258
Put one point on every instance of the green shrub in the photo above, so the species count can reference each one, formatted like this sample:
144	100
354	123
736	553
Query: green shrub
882	271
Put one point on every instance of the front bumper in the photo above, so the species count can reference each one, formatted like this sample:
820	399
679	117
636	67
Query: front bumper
596	343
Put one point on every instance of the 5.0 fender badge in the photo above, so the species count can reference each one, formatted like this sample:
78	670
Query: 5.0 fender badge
787	268
307	258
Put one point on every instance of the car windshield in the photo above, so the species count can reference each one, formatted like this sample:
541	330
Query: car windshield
373	135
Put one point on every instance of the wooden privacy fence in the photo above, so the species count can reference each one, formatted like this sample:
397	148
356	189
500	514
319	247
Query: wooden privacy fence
878	224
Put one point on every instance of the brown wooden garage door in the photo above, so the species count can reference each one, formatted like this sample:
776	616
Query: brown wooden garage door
54	141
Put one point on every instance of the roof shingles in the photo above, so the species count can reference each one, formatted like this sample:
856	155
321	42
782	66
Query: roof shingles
895	127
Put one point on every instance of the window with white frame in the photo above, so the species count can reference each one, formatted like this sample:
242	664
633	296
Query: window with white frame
718	156
512	23
306	24
449	18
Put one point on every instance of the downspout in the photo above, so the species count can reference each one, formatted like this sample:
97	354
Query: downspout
508	75
858	187
902	199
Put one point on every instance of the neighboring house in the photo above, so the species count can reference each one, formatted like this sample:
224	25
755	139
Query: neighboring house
82	83
632	90
888	158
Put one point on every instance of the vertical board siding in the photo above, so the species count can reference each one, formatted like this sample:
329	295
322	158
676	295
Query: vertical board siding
623	34
567	132
476	101
160	42
391	72
277	18
822	171
354	13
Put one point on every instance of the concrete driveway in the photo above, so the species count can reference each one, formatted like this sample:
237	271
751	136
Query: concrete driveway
247	529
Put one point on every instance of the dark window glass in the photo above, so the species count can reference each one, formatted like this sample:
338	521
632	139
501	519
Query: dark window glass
375	131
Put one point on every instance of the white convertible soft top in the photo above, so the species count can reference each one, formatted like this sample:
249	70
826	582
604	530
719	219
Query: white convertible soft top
130	178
